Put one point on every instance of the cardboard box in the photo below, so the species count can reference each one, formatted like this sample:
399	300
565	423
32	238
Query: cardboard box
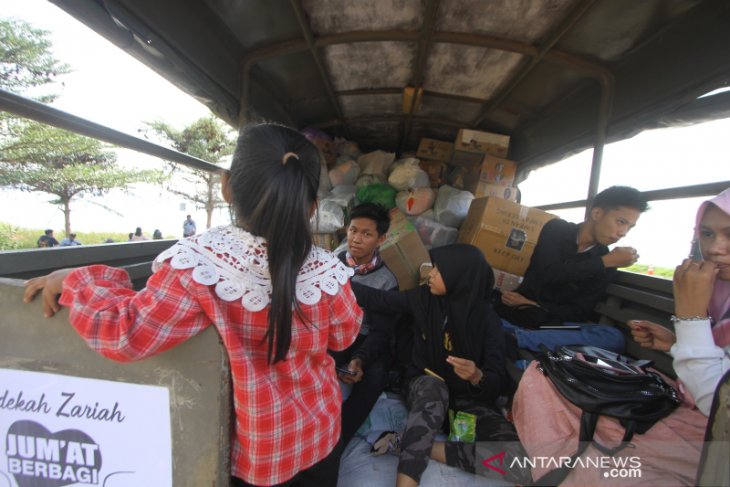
437	150
327	241
462	177
504	281
466	159
505	231
471	144
496	191
494	171
403	251
436	171
497	170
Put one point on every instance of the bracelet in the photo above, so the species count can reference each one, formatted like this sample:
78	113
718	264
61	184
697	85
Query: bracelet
688	318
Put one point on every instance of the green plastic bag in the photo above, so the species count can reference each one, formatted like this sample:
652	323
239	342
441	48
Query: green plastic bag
462	426
382	194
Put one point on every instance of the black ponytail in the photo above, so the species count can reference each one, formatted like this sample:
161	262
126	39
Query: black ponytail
274	181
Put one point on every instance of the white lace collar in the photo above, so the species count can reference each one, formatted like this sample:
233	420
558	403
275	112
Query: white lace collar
237	263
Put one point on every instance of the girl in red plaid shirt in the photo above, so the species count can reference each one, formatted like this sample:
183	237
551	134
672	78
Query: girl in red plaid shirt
278	303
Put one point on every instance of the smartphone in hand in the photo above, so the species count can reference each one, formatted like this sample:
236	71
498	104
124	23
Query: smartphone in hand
346	371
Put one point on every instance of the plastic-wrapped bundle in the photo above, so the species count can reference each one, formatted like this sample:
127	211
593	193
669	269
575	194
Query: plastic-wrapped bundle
315	135
415	201
323	142
452	206
345	173
406	173
377	162
377	193
328	218
432	233
324	180
347	148
369	179
344	196
345	189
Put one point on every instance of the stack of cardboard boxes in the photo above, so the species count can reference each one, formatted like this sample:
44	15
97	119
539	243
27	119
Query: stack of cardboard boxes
507	233
503	229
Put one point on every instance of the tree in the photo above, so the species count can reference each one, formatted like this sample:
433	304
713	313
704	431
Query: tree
37	157
26	60
64	164
207	139
26	65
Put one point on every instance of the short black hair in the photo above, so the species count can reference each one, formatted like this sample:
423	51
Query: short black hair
620	196
375	212
48	231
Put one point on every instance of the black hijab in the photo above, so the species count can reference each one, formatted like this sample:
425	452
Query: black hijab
469	280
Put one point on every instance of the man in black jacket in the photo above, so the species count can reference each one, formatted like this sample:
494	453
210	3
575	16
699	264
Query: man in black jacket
368	358
571	265
47	239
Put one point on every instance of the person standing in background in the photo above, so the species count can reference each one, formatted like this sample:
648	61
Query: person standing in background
70	241
47	239
189	227
138	235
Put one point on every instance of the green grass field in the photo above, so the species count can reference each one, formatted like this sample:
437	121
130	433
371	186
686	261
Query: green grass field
16	238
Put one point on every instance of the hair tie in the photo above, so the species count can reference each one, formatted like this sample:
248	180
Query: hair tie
287	156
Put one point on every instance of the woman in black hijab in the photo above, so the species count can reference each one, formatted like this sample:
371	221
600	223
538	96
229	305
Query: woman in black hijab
458	348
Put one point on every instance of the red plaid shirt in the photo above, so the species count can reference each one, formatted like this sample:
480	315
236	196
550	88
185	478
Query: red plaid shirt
287	414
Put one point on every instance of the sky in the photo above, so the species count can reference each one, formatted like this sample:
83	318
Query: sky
652	160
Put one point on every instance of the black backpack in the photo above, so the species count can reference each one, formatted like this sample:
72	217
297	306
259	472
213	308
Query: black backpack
601	382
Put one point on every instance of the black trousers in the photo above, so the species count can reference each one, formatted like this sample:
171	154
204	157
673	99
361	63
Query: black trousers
363	397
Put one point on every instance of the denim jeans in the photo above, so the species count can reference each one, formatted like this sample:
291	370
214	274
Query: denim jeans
603	336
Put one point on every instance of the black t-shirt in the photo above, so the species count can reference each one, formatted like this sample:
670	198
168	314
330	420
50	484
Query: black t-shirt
46	241
562	280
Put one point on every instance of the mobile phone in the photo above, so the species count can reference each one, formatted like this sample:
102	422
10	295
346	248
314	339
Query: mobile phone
346	371
696	252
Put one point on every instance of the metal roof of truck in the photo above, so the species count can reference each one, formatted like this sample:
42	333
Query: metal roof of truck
555	75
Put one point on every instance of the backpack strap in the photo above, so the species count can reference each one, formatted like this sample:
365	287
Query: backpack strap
588	422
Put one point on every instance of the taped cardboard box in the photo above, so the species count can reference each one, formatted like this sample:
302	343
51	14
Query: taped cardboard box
403	251
505	231
492	170
497	170
497	191
471	145
437	150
